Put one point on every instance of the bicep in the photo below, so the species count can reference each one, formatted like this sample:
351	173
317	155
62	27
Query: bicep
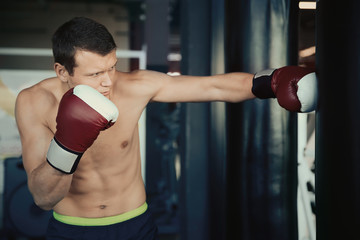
186	89
34	134
231	87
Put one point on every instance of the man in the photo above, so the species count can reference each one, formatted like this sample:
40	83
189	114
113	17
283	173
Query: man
90	176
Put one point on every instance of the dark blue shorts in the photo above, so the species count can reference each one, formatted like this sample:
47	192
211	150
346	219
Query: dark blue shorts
140	227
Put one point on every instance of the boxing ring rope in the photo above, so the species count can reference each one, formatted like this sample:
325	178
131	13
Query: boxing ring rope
47	52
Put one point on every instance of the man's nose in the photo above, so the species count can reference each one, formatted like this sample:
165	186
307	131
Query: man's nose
106	81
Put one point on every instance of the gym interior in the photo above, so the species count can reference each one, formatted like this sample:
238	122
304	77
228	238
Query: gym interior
247	171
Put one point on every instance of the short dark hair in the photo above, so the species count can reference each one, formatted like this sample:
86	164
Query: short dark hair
80	33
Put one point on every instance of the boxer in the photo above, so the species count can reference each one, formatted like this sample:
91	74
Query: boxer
80	137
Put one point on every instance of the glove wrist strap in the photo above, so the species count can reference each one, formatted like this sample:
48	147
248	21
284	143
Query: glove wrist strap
262	84
61	158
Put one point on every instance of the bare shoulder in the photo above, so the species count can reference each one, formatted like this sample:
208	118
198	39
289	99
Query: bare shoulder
35	101
35	113
142	82
146	76
38	94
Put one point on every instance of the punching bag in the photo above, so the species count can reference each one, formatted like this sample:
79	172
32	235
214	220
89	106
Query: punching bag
22	218
337	120
262	157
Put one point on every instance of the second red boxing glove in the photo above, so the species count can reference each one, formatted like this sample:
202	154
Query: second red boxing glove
294	87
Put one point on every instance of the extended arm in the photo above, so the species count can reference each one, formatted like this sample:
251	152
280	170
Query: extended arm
230	87
294	87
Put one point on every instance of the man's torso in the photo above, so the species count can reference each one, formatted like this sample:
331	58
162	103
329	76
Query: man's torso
108	179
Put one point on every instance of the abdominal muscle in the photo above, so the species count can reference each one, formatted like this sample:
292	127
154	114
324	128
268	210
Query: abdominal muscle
107	182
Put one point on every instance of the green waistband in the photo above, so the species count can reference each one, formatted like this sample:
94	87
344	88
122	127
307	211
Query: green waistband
80	221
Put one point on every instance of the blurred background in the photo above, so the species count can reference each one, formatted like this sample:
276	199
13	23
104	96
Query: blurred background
212	170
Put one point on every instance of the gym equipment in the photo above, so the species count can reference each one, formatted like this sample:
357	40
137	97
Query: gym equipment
22	218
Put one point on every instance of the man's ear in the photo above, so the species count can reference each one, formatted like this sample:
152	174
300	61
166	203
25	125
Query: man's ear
61	72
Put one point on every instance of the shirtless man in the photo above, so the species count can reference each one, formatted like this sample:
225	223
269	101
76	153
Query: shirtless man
99	188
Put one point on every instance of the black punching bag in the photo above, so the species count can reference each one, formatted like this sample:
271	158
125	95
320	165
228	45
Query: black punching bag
338	120
22	218
262	157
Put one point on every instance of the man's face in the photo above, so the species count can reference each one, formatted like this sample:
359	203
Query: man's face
94	70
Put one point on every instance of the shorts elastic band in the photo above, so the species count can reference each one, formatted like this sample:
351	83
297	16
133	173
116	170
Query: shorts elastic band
80	221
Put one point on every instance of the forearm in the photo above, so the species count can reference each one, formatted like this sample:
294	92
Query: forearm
48	185
229	87
235	87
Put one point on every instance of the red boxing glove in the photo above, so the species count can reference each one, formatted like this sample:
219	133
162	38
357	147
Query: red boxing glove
83	112
294	87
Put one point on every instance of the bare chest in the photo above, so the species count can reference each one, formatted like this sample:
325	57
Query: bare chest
121	141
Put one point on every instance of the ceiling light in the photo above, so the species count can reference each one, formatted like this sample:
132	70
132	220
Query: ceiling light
307	5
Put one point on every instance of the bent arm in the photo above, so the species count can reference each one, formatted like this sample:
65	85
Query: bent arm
47	185
229	87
